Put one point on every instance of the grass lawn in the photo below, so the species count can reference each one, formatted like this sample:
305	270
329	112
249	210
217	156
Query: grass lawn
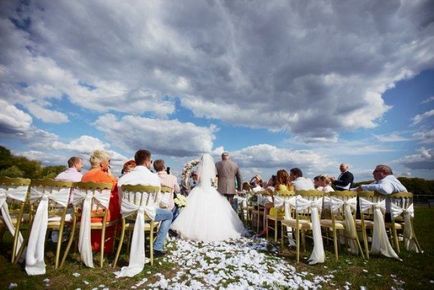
415	272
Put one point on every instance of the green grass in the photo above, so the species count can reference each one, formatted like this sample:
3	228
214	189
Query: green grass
416	270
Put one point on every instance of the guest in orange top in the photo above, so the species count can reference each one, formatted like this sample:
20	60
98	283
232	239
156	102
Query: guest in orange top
100	172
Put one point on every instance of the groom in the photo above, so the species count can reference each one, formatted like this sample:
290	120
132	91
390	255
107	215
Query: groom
227	171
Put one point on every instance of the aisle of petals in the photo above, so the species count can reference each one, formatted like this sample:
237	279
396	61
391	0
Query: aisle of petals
240	264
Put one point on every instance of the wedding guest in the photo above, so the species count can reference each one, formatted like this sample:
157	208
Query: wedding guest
300	182
142	174
316	182
128	166
170	181
325	184
100	172
283	181
73	173
271	182
385	183
345	179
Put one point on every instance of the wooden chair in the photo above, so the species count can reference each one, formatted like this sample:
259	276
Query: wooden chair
91	201
258	210
135	197
13	199
366	221
302	222
277	213
342	206
49	198
402	212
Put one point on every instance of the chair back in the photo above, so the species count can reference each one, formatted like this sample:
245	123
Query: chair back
14	193
312	197
57	192
98	192
142	195
372	197
401	202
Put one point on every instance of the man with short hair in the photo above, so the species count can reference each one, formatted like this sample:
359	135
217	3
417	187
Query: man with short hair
300	182
73	174
227	171
143	176
345	179
385	183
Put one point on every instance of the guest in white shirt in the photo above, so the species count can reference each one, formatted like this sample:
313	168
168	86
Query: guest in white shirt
385	183
325	184
298	181
143	176
73	174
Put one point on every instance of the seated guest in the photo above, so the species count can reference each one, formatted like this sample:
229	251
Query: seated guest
271	183
325	184
283	182
345	179
128	166
168	180
100	172
300	182
316	182
73	174
385	183
141	174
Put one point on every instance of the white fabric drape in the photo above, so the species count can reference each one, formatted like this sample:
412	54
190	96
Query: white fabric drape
315	206
348	205
35	264
16	193
408	213
380	241
84	242
137	248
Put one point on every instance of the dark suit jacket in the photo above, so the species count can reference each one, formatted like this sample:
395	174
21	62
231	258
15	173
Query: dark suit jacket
345	179
227	171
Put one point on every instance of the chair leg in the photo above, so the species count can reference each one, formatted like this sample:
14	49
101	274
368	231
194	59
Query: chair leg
15	257
275	230
71	238
101	262
121	241
360	247
151	243
266	228
297	237
365	240
335	242
395	237
59	245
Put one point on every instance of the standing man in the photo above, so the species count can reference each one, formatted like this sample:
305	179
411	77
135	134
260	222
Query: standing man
73	173
227	171
345	179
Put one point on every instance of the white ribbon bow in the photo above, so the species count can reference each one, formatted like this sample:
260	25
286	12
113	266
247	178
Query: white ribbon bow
84	242
408	213
35	264
301	204
380	241
16	193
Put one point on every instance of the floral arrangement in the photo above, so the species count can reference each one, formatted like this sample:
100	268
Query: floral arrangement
186	172
180	200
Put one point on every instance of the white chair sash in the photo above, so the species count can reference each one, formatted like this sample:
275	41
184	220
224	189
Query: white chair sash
35	264
84	242
380	241
408	213
16	193
137	248
336	204
315	206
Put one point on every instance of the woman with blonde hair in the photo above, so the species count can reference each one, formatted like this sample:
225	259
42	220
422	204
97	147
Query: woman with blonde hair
100	172
325	184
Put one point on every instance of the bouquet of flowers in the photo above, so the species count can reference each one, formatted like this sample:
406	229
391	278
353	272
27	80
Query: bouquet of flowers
180	200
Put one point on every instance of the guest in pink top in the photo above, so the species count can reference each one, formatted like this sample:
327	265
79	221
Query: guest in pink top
168	180
73	173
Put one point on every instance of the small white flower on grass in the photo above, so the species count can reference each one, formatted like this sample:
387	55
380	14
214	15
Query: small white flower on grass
431	281
76	275
46	280
362	288
365	271
85	282
13	285
379	275
101	286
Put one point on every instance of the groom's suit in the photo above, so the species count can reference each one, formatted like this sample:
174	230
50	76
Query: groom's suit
227	171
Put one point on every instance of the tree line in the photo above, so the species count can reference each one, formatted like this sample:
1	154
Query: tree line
20	166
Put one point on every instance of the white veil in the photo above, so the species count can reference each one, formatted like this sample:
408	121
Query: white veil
206	171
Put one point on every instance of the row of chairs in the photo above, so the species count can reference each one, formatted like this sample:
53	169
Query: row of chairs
345	215
31	207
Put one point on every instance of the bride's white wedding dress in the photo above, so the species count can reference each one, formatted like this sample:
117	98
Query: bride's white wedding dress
208	215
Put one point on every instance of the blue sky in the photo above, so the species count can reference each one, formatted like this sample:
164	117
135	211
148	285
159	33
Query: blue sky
277	84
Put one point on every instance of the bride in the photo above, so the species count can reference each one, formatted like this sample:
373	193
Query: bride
208	215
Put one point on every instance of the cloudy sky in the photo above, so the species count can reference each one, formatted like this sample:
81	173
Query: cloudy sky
279	84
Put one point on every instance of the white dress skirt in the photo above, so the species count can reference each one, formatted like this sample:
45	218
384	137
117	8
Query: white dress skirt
208	217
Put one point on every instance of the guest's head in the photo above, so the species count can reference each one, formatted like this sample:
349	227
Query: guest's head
159	165
143	158
246	186
128	166
343	167
282	178
295	173
272	181
75	162
316	181
324	180
225	155
100	159
381	171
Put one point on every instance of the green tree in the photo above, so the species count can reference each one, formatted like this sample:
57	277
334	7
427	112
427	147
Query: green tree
12	171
